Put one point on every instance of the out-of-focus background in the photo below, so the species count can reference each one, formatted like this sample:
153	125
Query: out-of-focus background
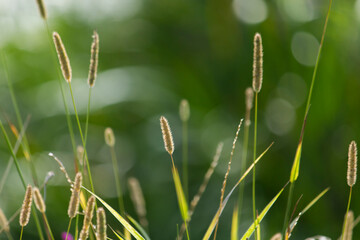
153	53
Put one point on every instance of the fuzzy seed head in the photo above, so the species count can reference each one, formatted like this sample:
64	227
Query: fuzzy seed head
167	136
42	9
63	58
109	137
352	164
101	224
89	212
258	63
4	223
94	60
75	196
184	110
39	201
348	232
138	200
277	236
26	207
80	154
249	97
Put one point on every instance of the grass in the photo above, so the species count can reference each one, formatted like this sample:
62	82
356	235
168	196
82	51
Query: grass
123	224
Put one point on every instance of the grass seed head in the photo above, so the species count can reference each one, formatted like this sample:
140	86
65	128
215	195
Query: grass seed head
63	58
42	9
138	200
88	217
75	196
39	201
352	164
184	110
257	64
277	236
4	223
167	136
26	207
249	98
348	232
101	224
109	137
80	154
93	60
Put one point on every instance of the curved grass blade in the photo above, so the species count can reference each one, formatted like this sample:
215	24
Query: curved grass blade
127	225
180	195
253	226
139	227
116	234
219	211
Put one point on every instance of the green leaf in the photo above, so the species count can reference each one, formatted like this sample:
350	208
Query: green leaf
219	211
116	234
180	195
296	165
127	225
139	227
258	220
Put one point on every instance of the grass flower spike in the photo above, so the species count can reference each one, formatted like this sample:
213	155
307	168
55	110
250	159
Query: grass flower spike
63	58
101	224
167	136
26	207
352	164
258	63
42	8
39	201
75	196
94	60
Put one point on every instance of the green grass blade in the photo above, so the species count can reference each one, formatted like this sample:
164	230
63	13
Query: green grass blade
296	165
219	211
139	227
117	235
258	220
127	225
234	224
180	195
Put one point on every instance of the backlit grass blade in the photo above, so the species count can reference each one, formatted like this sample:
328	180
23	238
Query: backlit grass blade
180	195
127	225
234	224
253	226
116	234
138	226
295	221
219	211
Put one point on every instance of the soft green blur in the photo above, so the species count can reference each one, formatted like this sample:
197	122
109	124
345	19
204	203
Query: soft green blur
153	54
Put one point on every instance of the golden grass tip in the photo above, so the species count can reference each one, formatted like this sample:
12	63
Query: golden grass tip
258	63
167	135
352	164
26	207
63	57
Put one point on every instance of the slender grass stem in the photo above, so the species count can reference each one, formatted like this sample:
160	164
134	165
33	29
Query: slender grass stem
48	229
87	120
185	158
254	157
68	229
82	138
9	236
243	168
117	180
289	200
67	113
77	227
347	211
21	233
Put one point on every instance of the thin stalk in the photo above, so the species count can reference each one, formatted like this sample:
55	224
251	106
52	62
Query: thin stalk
347	210
87	121
48	229
24	143
77	227
21	233
254	158
243	167
9	236
289	200
185	158
117	181
187	231
311	90
67	113
68	229
82	138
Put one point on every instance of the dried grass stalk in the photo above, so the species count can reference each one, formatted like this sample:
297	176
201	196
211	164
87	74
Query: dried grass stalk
138	200
167	136
352	164
63	58
39	201
101	224
93	60
75	196
42	9
258	63
26	207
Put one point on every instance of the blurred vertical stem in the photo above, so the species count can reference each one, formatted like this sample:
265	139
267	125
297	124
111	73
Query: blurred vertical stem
346	214
24	143
67	113
308	105
87	122
254	158
185	157
117	180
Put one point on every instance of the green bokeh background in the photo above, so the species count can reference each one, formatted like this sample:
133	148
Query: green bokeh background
153	53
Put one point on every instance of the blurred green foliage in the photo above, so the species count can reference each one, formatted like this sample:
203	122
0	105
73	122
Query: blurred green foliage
153	53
